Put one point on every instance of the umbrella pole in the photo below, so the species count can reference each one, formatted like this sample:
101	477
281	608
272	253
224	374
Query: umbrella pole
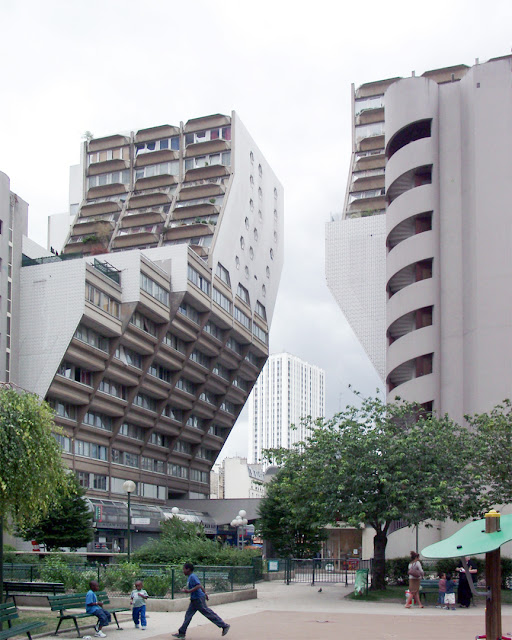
493	581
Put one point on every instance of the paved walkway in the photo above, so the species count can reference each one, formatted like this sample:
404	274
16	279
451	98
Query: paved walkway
299	611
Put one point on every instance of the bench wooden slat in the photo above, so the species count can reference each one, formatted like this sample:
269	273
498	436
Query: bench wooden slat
8	612
62	603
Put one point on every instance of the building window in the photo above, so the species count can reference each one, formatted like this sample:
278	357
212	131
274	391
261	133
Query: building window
156	370
161	169
63	441
143	323
259	333
261	311
199	280
131	431
145	401
158	145
189	311
243	293
211	328
174	342
102	300
155	290
200	358
222	273
99	420
112	388
84	334
74	372
220	299
63	409
103	179
242	318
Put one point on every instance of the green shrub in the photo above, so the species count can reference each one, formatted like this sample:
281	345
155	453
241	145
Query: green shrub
397	570
158	586
121	577
506	573
9	555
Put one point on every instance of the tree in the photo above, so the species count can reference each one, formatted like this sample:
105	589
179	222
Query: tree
31	471
286	520
494	440
68	522
376	463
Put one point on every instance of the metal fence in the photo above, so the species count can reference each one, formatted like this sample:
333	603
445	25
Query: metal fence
160	581
333	570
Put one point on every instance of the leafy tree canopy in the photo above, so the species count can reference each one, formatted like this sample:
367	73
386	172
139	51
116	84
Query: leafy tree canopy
31	470
376	463
68	522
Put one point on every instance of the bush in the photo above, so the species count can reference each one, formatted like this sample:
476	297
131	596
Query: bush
157	586
506	573
9	555
397	570
121	577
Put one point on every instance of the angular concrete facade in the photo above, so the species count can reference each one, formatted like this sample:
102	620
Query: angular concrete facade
153	324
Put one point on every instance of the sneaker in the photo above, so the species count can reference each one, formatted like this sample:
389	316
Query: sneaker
143	628
178	635
97	627
100	634
226	629
136	626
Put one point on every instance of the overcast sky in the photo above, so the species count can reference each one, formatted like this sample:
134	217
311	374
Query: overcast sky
285	67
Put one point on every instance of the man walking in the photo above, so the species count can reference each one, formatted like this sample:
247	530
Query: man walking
198	597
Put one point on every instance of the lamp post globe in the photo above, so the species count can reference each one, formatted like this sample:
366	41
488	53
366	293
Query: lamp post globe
129	486
175	511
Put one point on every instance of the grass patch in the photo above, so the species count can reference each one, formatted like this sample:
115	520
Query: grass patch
51	618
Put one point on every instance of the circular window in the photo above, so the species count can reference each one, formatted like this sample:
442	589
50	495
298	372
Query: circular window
251	156
251	180
256	234
275	236
275	215
260	193
251	204
247	272
275	193
251	253
237	262
242	242
268	272
263	290
260	170
260	215
247	223
271	254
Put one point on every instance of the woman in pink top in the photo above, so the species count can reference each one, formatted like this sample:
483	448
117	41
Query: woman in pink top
415	571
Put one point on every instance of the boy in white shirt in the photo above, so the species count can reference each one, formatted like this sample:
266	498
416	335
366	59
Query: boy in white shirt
138	599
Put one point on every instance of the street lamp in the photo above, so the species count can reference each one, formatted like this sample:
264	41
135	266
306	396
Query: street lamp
129	487
175	511
239	523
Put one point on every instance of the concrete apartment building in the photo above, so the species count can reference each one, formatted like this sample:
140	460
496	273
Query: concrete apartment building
287	390
13	226
420	262
153	323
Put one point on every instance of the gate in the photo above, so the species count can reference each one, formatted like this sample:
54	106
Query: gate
334	570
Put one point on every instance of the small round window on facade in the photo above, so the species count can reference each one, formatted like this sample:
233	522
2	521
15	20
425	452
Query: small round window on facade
268	272
242	242
260	193
260	170
275	215
246	271
256	235
263	290
271	254
251	253
251	180
260	215
251	204
275	193
251	156
237	262
275	236
247	223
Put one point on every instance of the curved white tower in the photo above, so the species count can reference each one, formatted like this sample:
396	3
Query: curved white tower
412	238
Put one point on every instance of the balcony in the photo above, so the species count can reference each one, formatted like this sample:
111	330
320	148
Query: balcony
100	227
416	177
196	210
155	198
153	157
192	230
209	146
198	191
154	182
116	164
157	133
100	207
101	144
106	190
129	237
142	217
210	171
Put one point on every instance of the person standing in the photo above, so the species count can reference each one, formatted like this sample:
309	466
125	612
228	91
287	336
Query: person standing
464	591
449	596
442	591
138	599
198	597
415	572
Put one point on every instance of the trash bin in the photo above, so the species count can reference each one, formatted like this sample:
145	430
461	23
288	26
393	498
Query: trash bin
361	583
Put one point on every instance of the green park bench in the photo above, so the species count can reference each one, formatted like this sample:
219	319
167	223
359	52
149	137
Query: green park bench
8	613
64	603
13	589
